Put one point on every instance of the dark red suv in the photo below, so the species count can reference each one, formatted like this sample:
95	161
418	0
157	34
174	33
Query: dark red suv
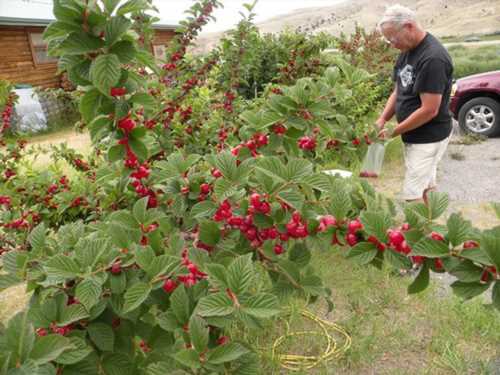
475	103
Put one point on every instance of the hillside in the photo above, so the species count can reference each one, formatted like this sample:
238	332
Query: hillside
441	17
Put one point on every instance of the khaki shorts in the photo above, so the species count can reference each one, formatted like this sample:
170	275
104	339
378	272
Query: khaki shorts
421	161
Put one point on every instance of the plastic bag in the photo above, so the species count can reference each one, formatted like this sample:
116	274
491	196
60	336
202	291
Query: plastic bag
374	158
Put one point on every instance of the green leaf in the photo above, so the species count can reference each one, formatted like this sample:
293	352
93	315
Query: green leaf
6	281
19	337
226	353
458	229
362	253
102	336
217	304
240	274
139	148
88	293
421	282
340	203
273	167
298	169
115	28
37	237
99	128
292	198
132	6
437	203
209	232
78	43
125	50
188	357
262	306
224	188
58	29
162	265
135	296
203	209
300	255
72	314
105	72
140	210
430	248
198	331
376	224
118	364
110	5
89	105
490	243
146	100
477	255
62	266
396	260
217	275
116	152
49	348
179	303
468	290
467	272
79	351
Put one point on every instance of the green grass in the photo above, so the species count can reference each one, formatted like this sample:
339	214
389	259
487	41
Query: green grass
473	60
392	332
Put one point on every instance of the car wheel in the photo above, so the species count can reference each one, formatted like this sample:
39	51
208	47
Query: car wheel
480	116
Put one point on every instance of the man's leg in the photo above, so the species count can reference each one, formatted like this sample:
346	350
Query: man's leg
421	163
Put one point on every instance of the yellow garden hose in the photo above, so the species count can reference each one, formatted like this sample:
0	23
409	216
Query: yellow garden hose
295	362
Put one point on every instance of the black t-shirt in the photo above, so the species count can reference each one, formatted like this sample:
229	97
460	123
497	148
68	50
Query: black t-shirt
425	69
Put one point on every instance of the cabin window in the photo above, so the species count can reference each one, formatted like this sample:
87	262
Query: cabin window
160	51
39	49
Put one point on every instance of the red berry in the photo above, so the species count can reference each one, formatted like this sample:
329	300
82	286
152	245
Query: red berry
222	340
169	285
216	173
264	208
396	238
438	263
126	124
255	200
470	244
354	226
437	236
118	91
116	269
351	239
279	129
278	249
41	332
325	222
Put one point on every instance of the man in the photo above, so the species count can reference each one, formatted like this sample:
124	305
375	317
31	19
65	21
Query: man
423	80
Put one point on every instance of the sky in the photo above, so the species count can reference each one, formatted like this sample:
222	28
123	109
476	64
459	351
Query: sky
171	11
229	15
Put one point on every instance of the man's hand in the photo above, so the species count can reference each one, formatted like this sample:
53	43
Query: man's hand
380	122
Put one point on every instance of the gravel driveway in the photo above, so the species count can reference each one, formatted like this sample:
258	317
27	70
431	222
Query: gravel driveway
471	173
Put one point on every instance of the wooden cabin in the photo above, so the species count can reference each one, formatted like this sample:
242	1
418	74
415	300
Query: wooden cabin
23	53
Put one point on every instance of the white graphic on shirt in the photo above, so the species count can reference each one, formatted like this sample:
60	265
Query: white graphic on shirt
406	76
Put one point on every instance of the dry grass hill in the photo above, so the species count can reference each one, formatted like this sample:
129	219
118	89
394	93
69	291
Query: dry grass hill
441	17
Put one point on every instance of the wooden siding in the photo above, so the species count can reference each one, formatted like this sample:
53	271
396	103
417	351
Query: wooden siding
16	59
17	64
163	37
